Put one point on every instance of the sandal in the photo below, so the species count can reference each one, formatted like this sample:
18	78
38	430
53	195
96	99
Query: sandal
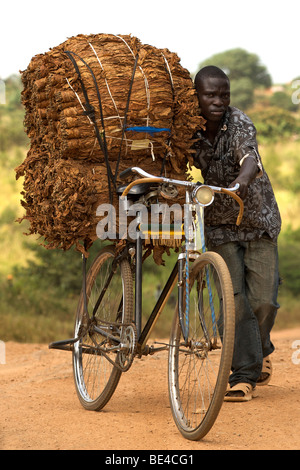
266	372
240	392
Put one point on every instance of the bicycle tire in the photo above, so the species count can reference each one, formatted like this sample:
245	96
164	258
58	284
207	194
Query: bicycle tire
198	371
95	377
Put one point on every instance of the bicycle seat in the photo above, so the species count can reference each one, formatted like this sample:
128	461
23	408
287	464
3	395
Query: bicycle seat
135	191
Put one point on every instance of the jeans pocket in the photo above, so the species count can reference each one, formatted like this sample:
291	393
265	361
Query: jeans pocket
270	240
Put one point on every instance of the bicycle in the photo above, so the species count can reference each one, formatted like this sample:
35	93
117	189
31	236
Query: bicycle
108	330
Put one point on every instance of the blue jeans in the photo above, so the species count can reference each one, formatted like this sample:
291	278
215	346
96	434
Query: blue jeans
254	272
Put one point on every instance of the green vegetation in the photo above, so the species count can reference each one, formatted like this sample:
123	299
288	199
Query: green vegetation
40	288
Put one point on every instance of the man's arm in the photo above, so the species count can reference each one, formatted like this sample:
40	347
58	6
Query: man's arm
247	174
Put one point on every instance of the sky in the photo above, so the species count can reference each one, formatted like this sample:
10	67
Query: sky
194	29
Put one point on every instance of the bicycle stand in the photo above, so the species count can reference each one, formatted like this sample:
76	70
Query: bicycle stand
65	345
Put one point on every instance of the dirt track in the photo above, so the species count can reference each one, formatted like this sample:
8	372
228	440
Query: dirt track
39	408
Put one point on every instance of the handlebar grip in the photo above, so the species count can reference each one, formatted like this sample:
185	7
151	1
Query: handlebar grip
140	181
125	173
240	202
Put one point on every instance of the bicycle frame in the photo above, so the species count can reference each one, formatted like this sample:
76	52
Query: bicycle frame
144	334
176	275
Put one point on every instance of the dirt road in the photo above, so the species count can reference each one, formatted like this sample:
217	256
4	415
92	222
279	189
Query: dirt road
39	408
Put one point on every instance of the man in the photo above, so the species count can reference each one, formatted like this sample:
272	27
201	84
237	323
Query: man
227	153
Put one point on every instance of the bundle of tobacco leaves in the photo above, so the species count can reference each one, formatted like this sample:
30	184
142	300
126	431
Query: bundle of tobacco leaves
95	105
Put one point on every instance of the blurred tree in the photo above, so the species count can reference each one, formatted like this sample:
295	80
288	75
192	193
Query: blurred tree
273	123
56	269
242	93
289	261
282	99
245	73
12	116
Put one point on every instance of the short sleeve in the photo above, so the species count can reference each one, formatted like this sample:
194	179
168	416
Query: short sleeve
245	143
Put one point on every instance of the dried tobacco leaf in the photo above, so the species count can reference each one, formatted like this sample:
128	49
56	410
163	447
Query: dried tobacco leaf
65	175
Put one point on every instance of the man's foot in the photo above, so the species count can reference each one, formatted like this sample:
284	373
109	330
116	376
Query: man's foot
240	392
266	372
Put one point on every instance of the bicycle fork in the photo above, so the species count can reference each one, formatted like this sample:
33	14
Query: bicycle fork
183	294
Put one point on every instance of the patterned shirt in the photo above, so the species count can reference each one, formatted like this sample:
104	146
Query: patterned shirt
220	164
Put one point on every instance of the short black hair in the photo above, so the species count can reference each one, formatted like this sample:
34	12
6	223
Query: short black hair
210	71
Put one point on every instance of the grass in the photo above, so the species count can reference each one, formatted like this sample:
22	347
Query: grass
288	315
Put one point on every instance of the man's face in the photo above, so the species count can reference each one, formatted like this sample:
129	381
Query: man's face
214	98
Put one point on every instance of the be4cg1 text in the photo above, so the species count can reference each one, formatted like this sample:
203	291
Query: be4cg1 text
151	459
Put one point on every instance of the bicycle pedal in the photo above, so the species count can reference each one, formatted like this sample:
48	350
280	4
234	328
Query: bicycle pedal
152	349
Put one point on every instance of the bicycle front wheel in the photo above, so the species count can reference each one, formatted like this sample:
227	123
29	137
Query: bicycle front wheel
199	366
97	359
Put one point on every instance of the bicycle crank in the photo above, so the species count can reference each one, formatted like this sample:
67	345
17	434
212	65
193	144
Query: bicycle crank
127	347
121	343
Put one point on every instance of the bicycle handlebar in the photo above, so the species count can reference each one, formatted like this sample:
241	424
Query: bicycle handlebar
127	172
148	178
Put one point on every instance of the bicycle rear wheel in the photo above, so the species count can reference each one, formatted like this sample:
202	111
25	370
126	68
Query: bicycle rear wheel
97	359
199	367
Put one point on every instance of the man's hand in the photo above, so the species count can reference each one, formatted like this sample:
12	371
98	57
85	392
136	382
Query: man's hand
243	189
248	173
